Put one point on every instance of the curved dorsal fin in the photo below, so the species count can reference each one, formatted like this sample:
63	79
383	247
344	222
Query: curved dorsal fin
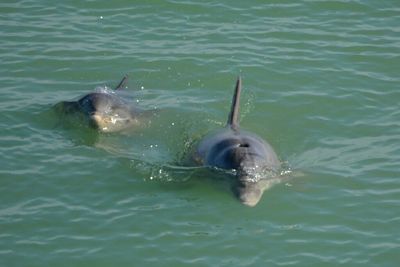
122	83
233	119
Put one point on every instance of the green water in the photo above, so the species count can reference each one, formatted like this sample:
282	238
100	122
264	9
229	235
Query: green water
321	84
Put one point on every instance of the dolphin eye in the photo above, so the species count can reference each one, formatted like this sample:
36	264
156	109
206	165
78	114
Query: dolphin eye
244	145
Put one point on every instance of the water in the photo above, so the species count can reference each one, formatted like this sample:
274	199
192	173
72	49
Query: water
321	84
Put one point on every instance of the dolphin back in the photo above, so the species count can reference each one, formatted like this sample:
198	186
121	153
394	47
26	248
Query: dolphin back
233	119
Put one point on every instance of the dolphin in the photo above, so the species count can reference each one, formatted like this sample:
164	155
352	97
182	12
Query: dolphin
105	110
251	158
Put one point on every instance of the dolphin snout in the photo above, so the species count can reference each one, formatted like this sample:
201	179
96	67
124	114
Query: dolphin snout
248	193
101	121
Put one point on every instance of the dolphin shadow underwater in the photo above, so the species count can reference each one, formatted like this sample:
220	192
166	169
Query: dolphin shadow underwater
253	161
105	110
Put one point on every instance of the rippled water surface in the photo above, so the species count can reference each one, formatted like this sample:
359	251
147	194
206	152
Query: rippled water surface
320	83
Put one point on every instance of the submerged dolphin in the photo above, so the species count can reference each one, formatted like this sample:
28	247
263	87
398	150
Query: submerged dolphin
105	110
248	155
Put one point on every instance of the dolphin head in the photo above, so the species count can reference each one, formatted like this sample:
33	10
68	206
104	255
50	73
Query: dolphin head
249	166
247	158
106	112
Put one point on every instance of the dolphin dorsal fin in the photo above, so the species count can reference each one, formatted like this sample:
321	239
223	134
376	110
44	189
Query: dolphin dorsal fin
122	83
233	119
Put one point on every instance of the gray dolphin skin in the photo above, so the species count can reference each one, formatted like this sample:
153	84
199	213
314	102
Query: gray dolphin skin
105	110
248	155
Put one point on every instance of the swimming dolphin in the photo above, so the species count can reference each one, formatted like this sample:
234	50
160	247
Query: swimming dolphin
250	157
105	110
